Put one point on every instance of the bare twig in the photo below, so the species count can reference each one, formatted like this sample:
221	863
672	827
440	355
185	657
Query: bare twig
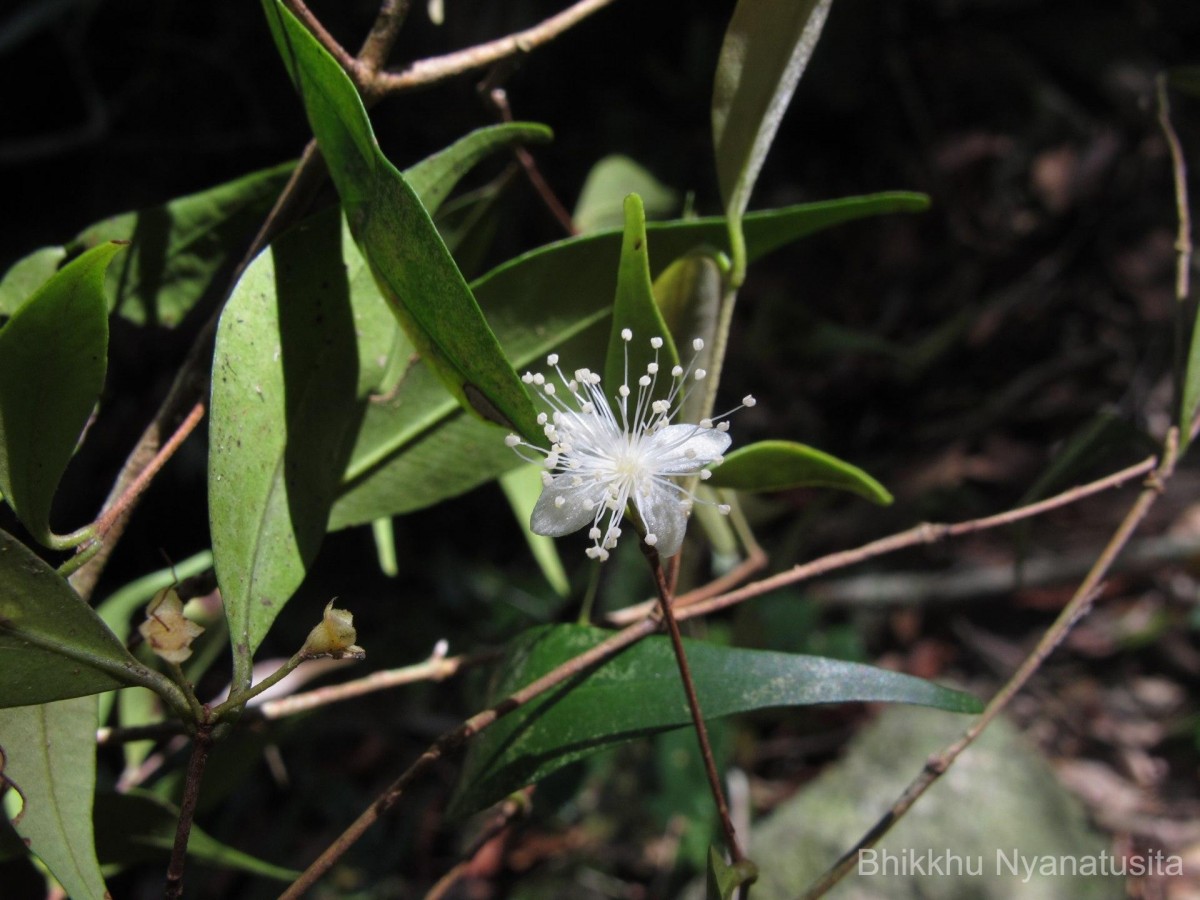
436	668
452	740
689	689
201	744
438	68
351	65
1071	613
510	810
1183	238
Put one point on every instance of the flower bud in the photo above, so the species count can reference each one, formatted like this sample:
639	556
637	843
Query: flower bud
168	632
335	636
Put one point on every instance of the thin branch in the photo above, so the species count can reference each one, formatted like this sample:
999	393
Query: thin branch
689	689
373	53
1183	239
327	40
1078	606
201	744
452	740
927	533
513	808
630	635
436	668
425	72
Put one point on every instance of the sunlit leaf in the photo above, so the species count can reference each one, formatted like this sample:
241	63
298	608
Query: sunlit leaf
284	408
52	645
411	263
638	692
781	465
635	309
414	449
53	356
50	757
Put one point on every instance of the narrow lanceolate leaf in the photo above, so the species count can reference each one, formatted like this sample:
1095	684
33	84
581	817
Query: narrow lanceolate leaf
414	269
781	465
689	293
1190	402
636	312
284	407
766	49
180	253
50	758
52	645
53	356
723	879
415	449
638	693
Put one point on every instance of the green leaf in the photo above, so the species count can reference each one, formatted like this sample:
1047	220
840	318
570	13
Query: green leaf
433	178
724	878
638	693
522	486
50	756
52	645
285	403
53	356
414	269
1190	402
781	465
180	253
766	49
635	309
688	293
415	449
137	828
600	203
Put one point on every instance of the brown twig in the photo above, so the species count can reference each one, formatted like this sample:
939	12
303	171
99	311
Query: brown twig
511	809
452	740
425	72
922	534
436	668
1183	238
689	689
497	98
201	744
1074	610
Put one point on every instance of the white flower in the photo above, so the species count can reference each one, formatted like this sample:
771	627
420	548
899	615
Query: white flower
602	460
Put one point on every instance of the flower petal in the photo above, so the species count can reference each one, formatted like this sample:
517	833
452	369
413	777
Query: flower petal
685	449
577	509
662	510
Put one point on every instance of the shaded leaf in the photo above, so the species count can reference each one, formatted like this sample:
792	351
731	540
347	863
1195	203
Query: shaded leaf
636	309
688	293
638	693
781	465
766	49
50	755
53	356
137	827
433	178
414	269
180	253
52	645
284	406
414	449
601	200
522	486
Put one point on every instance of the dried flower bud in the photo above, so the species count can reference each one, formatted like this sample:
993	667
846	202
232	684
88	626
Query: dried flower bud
334	637
168	632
